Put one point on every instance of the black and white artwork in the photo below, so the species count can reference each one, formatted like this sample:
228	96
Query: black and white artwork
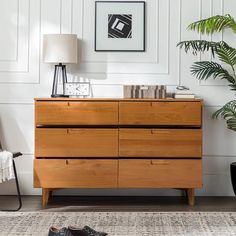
119	26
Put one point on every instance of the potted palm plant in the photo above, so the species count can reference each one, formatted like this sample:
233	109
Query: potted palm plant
204	70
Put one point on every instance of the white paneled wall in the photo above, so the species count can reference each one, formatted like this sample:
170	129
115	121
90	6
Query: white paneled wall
23	76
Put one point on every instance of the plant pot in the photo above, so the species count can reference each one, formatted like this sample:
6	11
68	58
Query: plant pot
233	175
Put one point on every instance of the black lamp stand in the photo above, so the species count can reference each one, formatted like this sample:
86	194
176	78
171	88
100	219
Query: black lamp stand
59	72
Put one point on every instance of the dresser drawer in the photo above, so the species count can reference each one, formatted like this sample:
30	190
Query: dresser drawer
76	113
75	173
161	173
160	113
184	143
53	142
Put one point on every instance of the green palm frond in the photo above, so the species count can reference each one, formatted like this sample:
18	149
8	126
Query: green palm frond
227	54
228	112
206	69
202	46
198	46
232	86
214	24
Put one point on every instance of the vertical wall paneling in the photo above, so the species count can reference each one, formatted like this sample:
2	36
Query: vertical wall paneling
10	26
17	36
25	69
66	16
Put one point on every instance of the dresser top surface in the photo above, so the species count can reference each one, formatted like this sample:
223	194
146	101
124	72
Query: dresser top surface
122	99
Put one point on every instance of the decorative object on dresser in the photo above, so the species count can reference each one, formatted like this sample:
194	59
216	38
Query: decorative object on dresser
75	89
118	143
223	68
120	26
183	92
59	49
144	91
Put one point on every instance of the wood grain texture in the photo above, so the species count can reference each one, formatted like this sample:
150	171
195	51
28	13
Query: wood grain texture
191	196
36	181
160	113
45	196
184	143
160	173
50	142
168	99
69	157
76	113
76	173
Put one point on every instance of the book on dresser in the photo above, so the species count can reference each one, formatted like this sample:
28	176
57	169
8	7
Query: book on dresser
184	94
118	143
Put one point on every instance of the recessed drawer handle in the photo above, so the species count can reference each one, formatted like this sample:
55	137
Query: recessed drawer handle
67	162
154	131
74	131
157	162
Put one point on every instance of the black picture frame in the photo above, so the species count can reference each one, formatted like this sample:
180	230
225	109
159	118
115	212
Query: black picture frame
143	49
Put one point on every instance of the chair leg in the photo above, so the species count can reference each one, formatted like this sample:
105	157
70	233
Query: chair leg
17	188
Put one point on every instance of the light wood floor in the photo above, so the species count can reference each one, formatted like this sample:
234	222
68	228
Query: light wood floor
68	203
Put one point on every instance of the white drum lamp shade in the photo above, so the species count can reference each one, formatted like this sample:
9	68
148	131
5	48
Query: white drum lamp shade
60	48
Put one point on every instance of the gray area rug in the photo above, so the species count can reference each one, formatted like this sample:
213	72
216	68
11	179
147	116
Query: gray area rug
122	223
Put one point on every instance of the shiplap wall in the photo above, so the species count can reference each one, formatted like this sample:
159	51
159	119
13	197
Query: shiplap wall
23	76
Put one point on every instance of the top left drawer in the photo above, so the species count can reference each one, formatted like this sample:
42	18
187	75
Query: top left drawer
75	113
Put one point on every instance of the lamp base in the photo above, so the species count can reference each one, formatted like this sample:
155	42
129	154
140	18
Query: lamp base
59	74
59	96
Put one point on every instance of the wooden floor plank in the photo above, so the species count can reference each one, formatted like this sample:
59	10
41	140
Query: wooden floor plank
74	203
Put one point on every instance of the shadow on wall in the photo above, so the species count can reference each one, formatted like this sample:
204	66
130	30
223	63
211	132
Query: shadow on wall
83	68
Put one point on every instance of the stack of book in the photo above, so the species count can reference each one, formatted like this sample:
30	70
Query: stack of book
184	94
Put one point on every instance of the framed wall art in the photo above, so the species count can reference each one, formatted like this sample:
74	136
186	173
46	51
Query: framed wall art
120	26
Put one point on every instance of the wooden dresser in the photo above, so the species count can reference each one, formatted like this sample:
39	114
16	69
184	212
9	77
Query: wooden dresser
118	143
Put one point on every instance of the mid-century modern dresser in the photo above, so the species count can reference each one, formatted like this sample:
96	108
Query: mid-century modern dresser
118	143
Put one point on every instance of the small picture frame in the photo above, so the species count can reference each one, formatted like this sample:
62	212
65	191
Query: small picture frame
77	89
120	26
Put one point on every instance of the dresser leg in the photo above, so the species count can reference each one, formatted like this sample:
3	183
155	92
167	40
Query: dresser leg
45	196
50	193
191	197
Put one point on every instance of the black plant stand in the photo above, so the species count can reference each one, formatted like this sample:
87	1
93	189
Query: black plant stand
233	175
16	154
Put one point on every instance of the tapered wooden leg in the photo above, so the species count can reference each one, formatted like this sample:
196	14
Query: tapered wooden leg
45	196
191	197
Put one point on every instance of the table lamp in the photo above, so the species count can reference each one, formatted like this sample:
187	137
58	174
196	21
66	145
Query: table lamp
59	49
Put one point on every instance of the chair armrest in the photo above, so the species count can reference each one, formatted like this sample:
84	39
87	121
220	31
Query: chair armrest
17	154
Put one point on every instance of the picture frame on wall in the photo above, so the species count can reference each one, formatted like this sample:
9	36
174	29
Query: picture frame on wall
120	26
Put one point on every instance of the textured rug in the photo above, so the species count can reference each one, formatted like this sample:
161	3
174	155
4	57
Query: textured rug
122	223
